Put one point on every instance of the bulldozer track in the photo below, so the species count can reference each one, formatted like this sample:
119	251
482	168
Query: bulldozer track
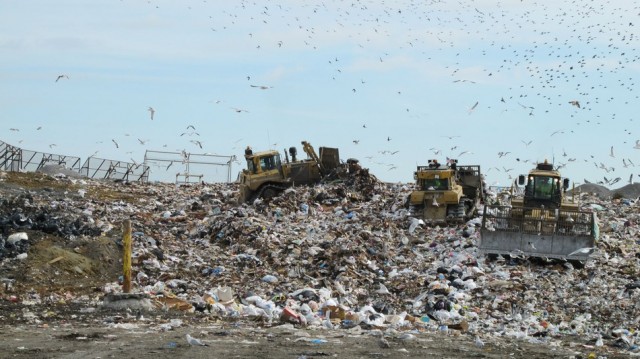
259	194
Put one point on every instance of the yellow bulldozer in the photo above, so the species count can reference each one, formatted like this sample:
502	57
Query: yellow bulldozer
267	175
446	194
540	222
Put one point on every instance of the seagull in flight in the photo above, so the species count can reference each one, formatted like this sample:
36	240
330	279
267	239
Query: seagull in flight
63	76
261	87
526	107
116	143
575	103
151	111
473	107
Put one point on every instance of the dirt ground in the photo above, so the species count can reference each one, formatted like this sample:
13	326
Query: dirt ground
69	341
70	332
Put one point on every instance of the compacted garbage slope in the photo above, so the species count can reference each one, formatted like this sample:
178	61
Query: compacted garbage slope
338	260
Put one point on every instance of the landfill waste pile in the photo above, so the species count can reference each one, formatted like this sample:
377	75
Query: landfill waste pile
337	256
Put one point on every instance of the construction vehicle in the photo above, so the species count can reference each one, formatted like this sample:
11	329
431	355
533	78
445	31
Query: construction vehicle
541	222
446	194
266	175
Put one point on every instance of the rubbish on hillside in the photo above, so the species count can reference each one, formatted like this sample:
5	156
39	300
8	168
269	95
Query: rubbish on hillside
340	256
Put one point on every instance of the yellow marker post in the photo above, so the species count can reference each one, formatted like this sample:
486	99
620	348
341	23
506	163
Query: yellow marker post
126	243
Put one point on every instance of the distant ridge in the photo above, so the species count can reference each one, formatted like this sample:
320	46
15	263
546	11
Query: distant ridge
629	191
598	190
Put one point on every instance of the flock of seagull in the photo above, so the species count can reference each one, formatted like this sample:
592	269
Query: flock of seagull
191	131
557	63
561	74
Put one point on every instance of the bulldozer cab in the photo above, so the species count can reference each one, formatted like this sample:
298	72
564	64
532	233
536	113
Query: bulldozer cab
434	184
544	187
262	168
263	162
270	162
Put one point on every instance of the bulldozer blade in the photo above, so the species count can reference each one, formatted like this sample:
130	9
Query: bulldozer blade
518	233
244	194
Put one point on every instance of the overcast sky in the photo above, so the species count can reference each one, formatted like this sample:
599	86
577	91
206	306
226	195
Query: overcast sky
500	84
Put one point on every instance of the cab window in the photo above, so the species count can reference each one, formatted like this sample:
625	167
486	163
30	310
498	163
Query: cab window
544	187
269	163
438	184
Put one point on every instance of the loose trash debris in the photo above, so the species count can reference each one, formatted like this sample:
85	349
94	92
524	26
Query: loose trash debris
342	256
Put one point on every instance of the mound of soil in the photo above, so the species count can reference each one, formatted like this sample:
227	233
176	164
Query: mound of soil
57	265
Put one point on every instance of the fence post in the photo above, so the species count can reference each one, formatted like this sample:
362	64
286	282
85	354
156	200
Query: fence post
126	242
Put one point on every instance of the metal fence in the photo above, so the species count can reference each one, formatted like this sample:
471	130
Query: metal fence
182	167
16	159
186	167
95	167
